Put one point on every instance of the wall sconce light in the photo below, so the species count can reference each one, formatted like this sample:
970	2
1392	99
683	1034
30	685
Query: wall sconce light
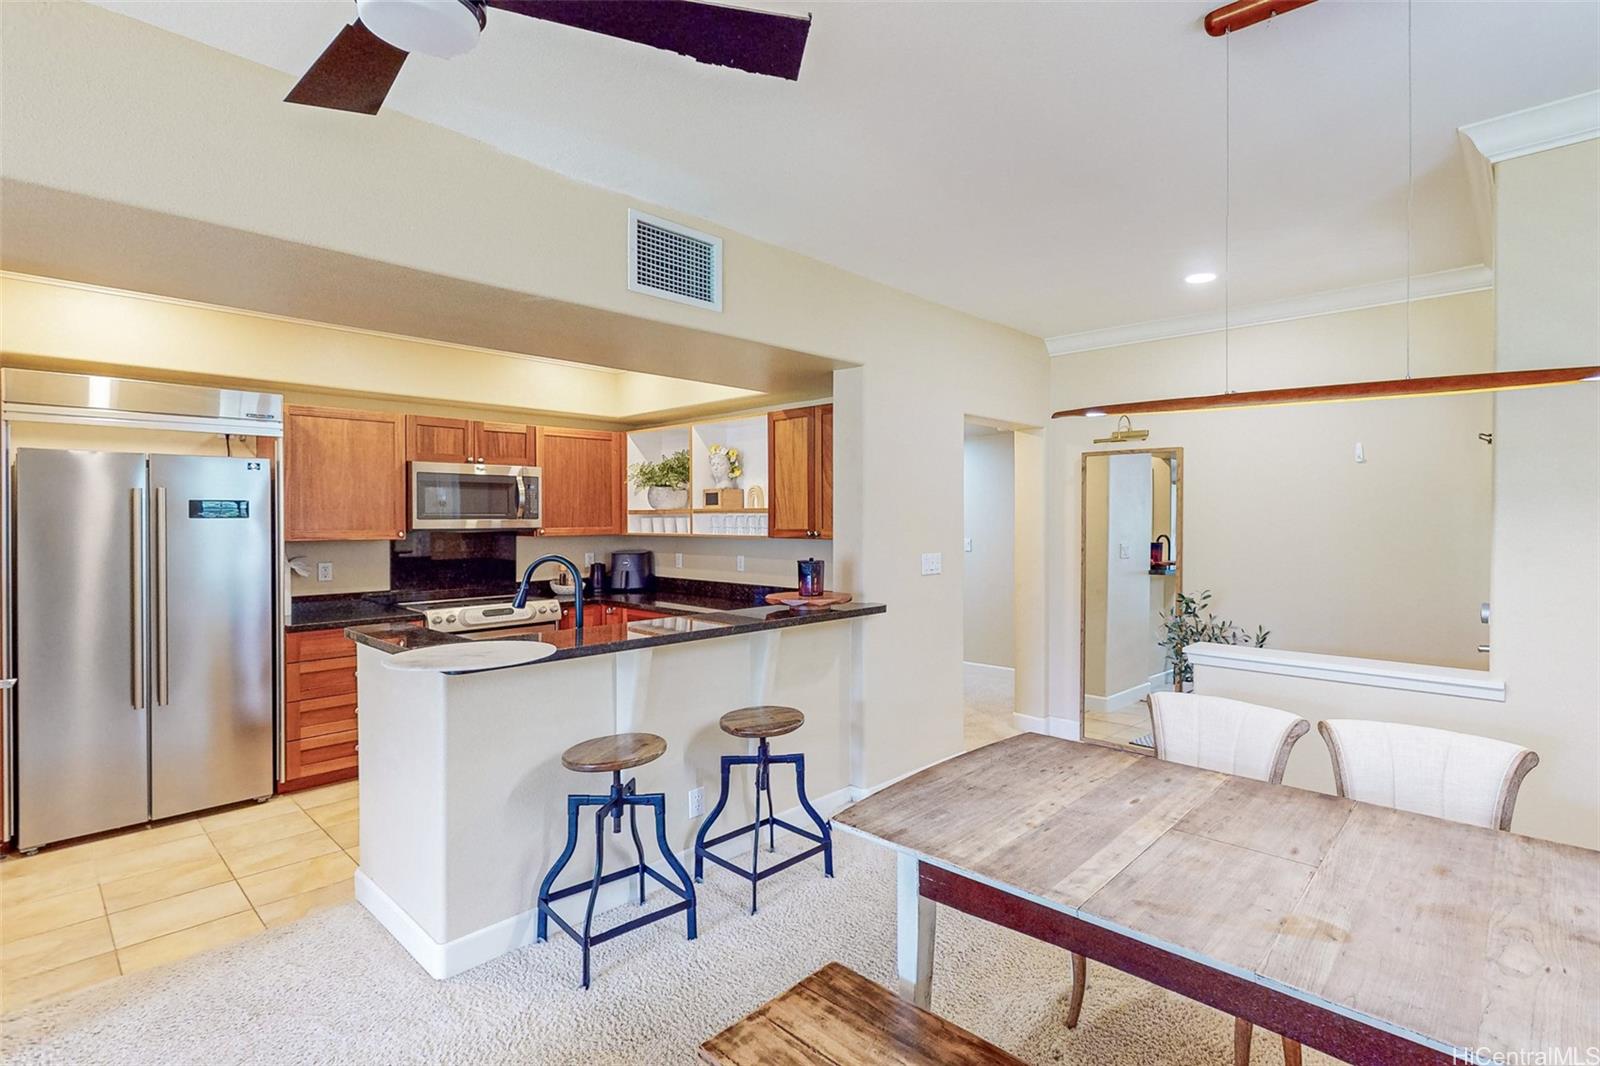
1123	433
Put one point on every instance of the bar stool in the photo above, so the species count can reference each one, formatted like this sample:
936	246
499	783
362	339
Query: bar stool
759	723
613	755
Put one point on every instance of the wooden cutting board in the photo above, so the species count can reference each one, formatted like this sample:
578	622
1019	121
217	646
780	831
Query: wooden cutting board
806	603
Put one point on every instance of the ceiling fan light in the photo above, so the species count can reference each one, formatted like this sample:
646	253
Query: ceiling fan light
442	28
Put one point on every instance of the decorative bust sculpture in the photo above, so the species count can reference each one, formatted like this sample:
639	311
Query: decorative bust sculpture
725	468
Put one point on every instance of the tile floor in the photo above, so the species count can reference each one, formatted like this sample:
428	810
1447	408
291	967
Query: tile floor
77	915
1120	726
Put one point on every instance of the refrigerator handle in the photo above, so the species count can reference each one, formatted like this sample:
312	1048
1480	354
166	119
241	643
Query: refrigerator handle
136	566
160	594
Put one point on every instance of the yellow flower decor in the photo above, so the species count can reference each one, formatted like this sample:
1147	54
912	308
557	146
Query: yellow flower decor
735	468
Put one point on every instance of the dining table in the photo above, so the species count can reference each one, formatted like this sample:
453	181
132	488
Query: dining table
1376	935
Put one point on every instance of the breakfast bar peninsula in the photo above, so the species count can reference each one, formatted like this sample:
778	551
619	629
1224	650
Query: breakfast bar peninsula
463	795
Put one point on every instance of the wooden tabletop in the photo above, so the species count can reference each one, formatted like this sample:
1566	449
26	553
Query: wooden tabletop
836	1017
1464	936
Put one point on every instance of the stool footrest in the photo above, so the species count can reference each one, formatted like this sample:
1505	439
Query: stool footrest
770	870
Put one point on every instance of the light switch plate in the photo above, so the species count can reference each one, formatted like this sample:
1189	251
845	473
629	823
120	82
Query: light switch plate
738	563
1122	550
324	571
932	563
966	545
588	560
677	560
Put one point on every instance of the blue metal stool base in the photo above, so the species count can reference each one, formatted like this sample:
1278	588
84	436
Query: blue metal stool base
622	797
763	761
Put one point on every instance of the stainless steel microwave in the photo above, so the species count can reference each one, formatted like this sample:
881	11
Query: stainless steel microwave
474	496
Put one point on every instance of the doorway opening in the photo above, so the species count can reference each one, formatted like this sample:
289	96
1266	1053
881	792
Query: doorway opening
988	578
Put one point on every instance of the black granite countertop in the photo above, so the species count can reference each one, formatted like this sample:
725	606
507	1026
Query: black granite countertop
680	626
671	595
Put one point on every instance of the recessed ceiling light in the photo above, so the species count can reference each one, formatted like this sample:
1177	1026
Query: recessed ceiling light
1201	278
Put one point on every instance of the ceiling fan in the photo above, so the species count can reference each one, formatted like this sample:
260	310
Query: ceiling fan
355	72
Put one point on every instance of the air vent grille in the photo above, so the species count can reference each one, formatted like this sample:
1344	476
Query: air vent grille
674	262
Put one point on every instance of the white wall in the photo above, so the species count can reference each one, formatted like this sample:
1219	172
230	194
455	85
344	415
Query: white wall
1545	581
1385	559
989	507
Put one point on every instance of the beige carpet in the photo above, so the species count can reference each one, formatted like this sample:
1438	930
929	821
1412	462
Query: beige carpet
333	988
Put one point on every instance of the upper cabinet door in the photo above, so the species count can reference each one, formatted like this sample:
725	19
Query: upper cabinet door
344	474
800	449
581	481
439	440
791	449
825	471
504	443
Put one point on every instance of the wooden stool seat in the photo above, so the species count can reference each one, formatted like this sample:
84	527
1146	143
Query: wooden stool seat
611	754
756	722
836	1017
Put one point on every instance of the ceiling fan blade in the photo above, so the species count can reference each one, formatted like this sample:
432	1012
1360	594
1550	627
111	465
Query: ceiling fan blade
761	42
353	73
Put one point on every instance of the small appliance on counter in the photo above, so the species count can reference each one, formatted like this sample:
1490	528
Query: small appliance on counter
811	571
633	571
599	583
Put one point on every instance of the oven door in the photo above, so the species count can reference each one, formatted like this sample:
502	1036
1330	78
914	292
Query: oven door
474	496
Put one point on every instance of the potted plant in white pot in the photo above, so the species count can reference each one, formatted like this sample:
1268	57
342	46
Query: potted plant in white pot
1192	622
665	482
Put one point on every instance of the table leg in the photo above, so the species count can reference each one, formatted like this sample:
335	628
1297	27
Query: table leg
914	932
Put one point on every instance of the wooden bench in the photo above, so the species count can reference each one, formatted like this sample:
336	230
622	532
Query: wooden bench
836	1017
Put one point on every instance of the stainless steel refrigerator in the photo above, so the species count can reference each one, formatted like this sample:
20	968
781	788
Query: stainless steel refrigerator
145	635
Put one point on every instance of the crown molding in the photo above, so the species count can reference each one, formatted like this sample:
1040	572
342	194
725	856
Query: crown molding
1536	129
1379	294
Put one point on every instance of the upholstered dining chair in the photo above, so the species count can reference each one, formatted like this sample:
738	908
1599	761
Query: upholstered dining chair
1231	737
1457	776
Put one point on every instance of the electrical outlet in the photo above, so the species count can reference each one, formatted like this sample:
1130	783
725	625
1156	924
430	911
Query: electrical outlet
324	571
932	563
966	545
738	563
677	560
697	801
588	560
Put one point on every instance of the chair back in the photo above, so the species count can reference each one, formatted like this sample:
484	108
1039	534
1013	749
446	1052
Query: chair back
1233	737
1457	776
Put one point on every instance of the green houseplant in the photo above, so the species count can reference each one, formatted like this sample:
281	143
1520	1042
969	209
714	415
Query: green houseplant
665	482
1192	622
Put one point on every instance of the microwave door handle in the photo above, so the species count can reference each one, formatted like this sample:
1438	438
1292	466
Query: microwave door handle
522	497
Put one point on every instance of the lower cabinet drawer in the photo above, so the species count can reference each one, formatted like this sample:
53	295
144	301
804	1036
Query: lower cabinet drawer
321	754
320	677
313	718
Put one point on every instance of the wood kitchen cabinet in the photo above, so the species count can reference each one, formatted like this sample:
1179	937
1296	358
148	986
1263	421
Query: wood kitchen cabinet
582	482
460	440
800	449
344	474
319	708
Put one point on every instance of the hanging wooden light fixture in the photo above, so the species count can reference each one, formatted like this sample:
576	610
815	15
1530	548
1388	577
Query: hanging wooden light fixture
1219	23
1241	13
1398	388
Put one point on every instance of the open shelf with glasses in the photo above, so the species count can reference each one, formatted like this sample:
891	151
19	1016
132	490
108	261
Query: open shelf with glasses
729	475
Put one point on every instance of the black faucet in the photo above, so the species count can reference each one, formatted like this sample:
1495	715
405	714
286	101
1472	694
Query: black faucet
577	585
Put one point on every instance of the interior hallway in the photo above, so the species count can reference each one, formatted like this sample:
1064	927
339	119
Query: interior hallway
989	696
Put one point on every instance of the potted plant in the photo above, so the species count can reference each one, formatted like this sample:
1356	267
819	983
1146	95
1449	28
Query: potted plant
665	482
1192	622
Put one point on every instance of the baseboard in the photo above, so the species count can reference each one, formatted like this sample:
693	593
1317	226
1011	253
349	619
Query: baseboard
457	956
998	672
1117	700
1064	728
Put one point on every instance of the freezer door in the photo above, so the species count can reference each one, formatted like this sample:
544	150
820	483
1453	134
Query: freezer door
212	632
81	606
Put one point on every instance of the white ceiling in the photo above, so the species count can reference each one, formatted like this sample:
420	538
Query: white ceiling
1057	167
